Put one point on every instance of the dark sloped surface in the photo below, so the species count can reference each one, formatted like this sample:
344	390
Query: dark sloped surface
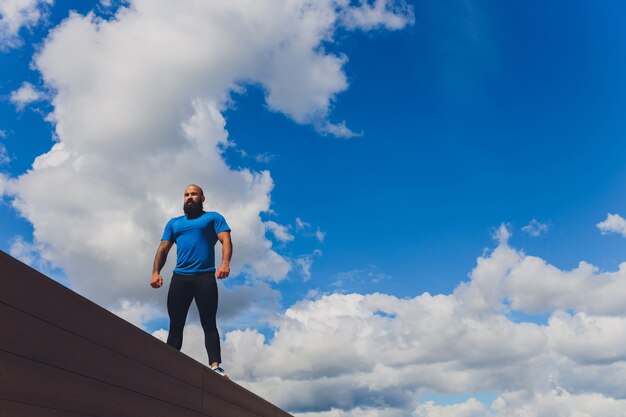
62	355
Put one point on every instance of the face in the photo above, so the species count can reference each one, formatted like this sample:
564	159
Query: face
193	199
193	194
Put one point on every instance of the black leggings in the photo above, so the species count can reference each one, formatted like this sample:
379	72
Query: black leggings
183	289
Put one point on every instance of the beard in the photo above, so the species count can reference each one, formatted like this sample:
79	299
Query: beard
192	209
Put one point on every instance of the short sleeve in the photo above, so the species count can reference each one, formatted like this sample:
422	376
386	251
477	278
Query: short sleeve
168	233
219	224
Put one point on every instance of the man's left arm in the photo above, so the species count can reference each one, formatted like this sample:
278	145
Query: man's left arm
227	252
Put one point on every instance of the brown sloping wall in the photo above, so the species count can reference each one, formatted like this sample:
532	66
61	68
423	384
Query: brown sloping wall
63	356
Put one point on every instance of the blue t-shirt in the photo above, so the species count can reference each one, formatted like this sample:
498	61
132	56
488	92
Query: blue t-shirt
195	241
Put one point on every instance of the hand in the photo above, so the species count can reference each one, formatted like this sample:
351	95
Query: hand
223	271
156	281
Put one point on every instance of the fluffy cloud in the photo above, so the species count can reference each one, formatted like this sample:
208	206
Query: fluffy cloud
339	130
614	223
341	355
356	412
135	312
510	279
535	229
137	104
4	157
25	95
3	183
17	14
137	108
307	230
35	254
348	350
471	408
25	251
305	263
588	339
280	232
264	158
378	14
558	402
301	224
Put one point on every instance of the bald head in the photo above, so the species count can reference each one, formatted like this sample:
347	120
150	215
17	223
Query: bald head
193	199
196	187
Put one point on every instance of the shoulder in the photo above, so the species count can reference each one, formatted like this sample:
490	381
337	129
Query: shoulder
217	221
213	215
174	220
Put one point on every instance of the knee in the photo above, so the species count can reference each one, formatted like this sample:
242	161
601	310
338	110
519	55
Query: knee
209	326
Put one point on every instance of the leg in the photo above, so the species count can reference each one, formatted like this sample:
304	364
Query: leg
178	301
206	301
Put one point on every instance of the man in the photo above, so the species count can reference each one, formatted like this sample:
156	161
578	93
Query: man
195	235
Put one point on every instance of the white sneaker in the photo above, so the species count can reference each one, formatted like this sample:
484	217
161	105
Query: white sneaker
219	370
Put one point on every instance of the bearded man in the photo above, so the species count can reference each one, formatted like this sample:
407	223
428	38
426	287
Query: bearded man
195	235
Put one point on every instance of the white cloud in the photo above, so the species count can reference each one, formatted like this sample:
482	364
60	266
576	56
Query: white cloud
18	14
25	95
502	234
470	408
4	180
355	412
338	351
4	156
35	254
301	224
264	158
261	158
614	223
131	136
509	279
320	235
339	130
535	229
380	13
305	228
305	263
559	402
136	313
25	252
589	339
377	354
279	231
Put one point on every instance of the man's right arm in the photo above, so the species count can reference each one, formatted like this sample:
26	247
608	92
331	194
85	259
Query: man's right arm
159	261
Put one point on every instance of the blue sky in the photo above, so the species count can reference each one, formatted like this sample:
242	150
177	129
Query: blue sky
460	117
512	116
